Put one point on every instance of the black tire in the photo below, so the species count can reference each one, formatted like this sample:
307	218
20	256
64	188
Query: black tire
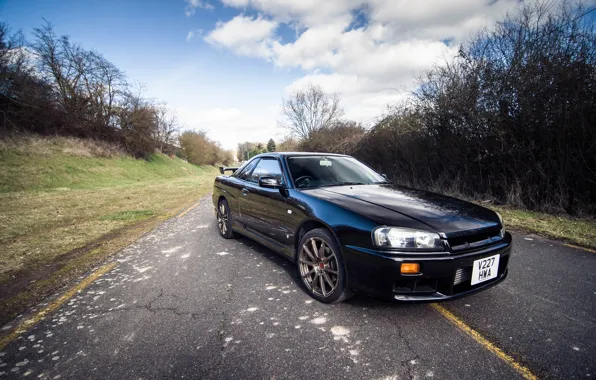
324	277
224	220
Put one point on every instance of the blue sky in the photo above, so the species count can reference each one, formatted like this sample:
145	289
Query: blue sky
224	65
148	40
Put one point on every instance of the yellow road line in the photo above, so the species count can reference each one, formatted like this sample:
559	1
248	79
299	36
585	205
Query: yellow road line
581	248
188	210
52	306
524	371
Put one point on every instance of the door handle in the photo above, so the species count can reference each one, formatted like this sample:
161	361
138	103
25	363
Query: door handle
245	191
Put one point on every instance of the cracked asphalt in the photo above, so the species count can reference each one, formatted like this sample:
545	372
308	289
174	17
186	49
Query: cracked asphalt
185	303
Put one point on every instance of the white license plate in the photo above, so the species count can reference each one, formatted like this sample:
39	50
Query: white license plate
485	269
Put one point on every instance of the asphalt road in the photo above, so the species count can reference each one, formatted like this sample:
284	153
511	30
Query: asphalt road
185	303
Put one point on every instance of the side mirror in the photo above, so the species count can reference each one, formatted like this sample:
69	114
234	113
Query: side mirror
384	176
270	182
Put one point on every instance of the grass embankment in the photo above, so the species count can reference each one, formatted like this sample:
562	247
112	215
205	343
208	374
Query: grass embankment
576	231
63	210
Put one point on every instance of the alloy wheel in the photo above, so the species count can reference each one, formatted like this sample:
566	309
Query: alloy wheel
222	218
319	268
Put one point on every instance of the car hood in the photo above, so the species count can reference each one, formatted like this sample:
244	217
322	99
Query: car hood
440	212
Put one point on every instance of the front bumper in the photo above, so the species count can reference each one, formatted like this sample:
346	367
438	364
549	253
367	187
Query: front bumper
442	277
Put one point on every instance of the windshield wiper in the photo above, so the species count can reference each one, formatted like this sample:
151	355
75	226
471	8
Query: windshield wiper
347	183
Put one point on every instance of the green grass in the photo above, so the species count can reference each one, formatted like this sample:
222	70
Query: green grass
577	231
63	211
32	172
68	206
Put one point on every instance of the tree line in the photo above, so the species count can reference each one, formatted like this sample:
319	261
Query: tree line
512	118
248	149
54	86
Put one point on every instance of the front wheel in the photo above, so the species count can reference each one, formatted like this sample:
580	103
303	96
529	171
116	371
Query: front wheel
224	220
321	267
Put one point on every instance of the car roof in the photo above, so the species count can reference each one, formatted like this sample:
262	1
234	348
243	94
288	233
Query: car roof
282	154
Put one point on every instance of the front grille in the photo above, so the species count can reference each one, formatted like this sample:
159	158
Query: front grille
475	239
462	275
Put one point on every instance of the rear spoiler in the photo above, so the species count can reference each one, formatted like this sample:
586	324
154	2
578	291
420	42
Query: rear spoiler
223	169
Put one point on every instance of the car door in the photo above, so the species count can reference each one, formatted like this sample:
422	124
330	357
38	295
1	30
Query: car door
264	209
241	191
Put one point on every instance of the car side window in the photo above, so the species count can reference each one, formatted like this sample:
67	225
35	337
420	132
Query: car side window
245	173
268	167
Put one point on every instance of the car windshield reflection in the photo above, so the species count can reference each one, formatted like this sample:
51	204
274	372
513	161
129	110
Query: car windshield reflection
321	171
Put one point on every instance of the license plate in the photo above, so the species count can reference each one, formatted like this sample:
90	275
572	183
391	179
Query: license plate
485	269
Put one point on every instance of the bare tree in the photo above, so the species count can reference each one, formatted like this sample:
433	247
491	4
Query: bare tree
61	63
167	127
137	122
309	110
13	71
12	54
104	86
55	86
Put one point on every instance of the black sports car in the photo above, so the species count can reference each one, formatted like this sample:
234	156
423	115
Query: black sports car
349	229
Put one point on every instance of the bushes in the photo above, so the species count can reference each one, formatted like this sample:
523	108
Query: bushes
339	137
200	150
512	118
289	144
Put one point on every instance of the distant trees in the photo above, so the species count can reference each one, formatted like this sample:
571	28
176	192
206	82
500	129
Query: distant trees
271	145
244	149
52	85
247	150
198	149
308	110
288	144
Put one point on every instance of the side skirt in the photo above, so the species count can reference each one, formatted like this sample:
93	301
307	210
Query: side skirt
284	250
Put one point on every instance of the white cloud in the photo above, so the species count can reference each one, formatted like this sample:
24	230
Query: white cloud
399	39
244	35
305	13
364	100
368	51
192	6
191	34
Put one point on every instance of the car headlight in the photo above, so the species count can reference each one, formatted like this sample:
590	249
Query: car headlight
502	232
407	238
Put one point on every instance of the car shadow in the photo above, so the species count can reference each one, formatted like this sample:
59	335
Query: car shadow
358	301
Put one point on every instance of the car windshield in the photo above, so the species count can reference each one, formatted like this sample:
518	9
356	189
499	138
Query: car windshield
318	171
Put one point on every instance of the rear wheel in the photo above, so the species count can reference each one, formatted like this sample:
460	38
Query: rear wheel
321	267
224	220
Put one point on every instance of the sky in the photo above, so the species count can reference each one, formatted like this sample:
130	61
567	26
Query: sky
225	65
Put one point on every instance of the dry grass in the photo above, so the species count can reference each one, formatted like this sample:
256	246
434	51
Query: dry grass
578	231
71	146
62	214
41	226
